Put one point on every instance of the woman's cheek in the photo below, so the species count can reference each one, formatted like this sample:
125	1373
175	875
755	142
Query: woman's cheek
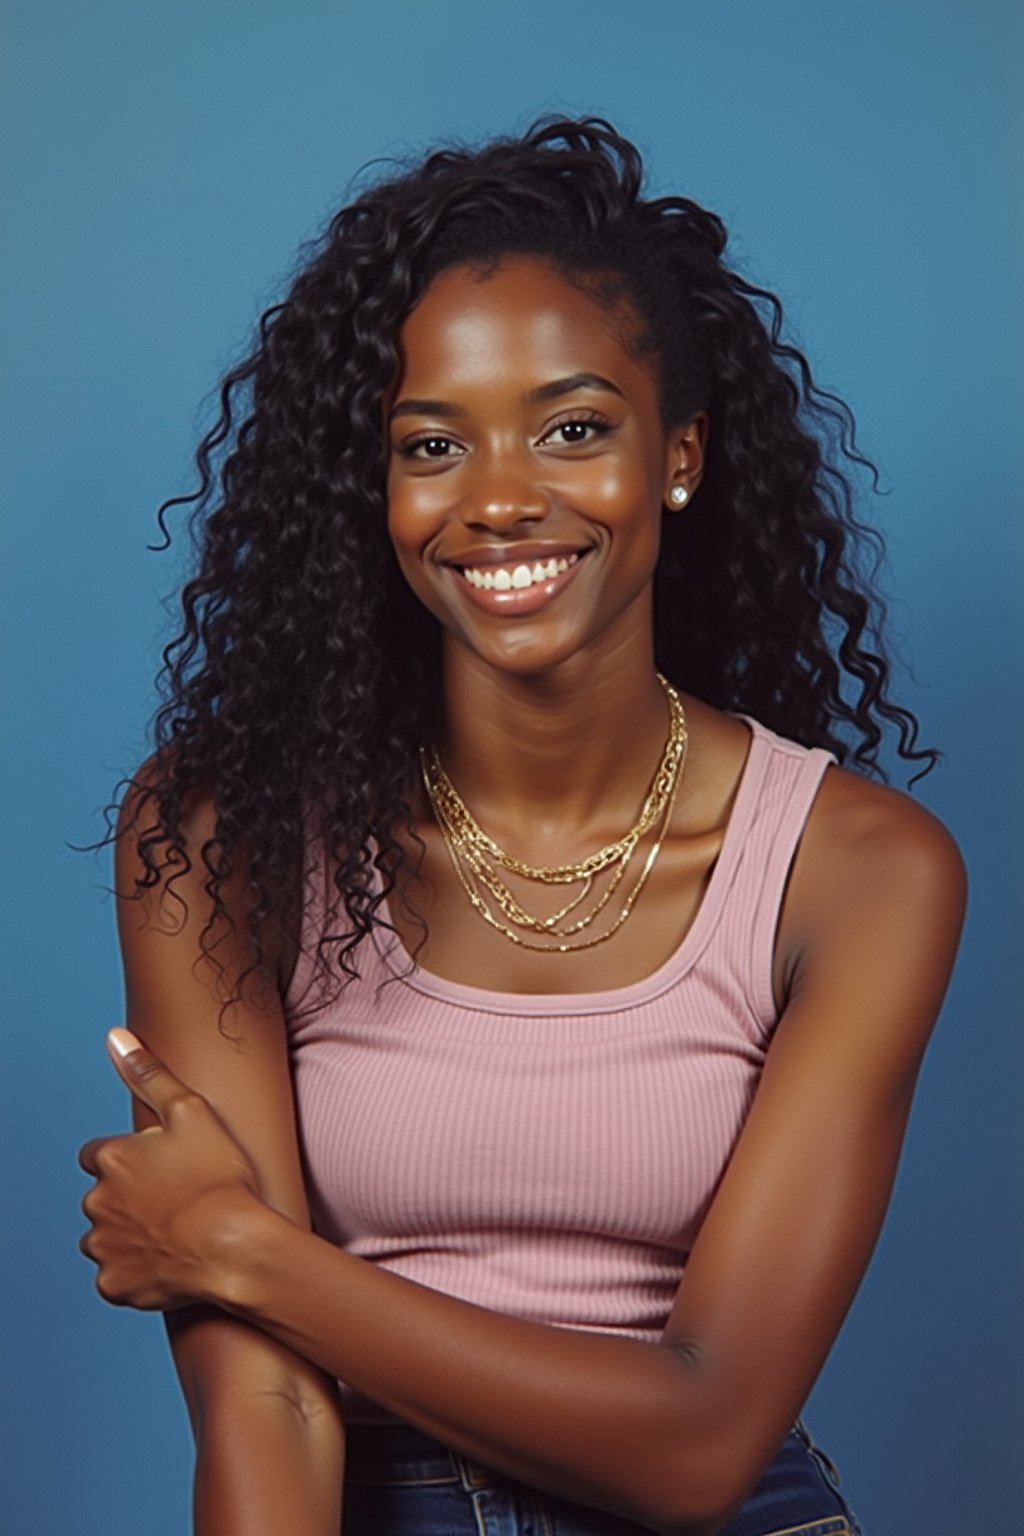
411	526
417	511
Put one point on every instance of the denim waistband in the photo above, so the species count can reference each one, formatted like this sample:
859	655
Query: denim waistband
398	1454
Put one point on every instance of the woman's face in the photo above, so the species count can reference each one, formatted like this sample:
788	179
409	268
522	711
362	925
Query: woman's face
528	466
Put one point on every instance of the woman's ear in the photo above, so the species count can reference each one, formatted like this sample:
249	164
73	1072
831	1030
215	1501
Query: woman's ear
684	461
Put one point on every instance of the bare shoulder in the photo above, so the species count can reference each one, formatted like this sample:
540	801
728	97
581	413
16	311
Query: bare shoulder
883	895
867	851
138	814
168	888
862	831
139	836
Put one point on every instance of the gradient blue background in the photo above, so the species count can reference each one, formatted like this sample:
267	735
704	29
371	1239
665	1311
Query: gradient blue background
162	164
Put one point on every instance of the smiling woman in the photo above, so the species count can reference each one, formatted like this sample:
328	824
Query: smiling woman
578	974
552	449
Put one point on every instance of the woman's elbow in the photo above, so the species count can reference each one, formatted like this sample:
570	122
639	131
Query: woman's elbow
695	1498
690	1521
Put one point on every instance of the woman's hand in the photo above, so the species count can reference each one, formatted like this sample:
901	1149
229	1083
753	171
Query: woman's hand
163	1196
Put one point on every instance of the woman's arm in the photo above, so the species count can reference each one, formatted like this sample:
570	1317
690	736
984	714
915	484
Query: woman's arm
267	1425
675	1435
268	1462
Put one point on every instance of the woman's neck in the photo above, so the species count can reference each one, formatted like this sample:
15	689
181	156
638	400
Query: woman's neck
555	763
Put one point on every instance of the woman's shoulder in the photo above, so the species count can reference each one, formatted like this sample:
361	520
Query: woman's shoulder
854	814
859	833
153	779
869	842
167	877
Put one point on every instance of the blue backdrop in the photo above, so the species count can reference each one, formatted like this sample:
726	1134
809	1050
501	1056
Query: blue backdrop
163	163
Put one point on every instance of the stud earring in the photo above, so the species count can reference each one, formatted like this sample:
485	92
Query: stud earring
679	495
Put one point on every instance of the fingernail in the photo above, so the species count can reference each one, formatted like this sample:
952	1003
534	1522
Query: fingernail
123	1041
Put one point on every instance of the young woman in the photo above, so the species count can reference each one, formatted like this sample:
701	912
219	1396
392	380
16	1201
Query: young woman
530	981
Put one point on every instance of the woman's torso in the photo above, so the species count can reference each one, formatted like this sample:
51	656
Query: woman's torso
548	1153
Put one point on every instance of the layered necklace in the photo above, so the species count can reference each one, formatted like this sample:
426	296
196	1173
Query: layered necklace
478	860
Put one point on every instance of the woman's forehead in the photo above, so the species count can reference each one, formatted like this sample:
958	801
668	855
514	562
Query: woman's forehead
520	316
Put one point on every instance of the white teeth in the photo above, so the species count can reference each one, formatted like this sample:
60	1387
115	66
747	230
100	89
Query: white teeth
502	579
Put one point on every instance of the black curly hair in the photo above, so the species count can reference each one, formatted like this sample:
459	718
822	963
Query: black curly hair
305	671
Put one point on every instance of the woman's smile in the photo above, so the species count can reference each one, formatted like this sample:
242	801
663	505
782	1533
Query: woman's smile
511	587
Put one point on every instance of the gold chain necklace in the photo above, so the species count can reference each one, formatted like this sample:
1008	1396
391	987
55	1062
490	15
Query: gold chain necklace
476	858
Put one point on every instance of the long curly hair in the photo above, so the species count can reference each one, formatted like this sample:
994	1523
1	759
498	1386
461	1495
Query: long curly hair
305	672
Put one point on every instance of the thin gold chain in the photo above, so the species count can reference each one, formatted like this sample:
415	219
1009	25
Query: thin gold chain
474	855
458	815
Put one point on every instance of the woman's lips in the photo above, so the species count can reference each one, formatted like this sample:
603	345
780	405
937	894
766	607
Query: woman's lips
518	600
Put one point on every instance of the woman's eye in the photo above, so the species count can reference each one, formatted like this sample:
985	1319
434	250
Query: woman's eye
433	447
576	431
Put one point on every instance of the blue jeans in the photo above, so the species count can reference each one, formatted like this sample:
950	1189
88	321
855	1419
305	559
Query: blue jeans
399	1482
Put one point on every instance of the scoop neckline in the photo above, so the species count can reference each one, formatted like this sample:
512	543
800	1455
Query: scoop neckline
487	1000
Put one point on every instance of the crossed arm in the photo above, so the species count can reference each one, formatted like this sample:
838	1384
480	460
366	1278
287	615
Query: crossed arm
671	1435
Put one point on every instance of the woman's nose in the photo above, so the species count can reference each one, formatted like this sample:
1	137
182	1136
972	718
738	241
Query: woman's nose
504	492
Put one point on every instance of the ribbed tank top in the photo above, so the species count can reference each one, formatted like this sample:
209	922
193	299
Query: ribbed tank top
550	1156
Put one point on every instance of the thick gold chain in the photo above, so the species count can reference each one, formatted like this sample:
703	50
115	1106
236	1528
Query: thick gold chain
474	855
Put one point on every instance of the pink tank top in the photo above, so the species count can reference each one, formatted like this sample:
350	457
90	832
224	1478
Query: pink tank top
551	1156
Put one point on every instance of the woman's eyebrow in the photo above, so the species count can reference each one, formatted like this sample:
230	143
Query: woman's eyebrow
424	408
551	391
566	386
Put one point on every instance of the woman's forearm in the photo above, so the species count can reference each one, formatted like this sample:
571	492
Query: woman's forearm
585	1416
262	1470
